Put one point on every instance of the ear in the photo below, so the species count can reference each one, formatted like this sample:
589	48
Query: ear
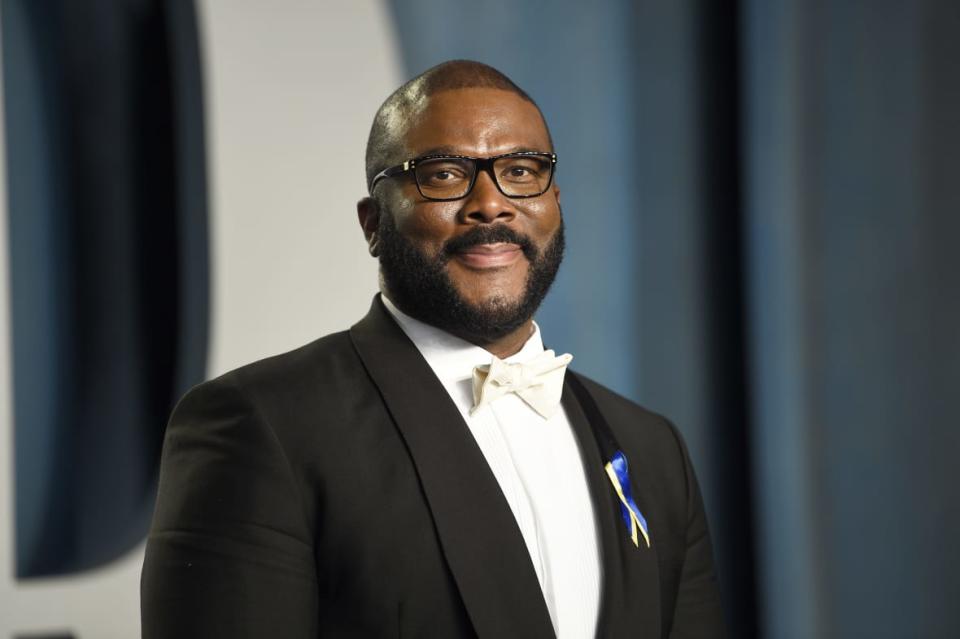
368	212
556	191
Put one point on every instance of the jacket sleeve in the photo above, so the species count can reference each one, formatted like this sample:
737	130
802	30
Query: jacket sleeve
229	553
698	613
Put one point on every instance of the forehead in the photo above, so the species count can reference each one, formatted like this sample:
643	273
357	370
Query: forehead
476	121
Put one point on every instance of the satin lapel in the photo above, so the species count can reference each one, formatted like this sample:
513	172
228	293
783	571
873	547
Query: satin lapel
631	588
478	533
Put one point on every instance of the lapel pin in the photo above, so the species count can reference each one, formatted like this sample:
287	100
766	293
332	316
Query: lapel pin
617	472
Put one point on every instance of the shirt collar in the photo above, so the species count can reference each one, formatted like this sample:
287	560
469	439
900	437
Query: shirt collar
451	358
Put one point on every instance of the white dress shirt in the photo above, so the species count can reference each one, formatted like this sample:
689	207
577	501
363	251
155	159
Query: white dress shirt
538	465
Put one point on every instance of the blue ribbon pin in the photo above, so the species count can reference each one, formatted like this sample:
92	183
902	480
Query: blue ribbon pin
617	472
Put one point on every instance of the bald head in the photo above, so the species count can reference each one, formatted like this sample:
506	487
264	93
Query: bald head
385	144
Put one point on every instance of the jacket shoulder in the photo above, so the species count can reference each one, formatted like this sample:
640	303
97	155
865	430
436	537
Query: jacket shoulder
329	352
292	372
652	443
295	394
627	416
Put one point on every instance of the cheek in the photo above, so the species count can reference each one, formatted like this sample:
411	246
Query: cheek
425	226
544	224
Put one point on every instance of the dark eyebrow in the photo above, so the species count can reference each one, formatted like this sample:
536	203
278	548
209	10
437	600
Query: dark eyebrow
451	150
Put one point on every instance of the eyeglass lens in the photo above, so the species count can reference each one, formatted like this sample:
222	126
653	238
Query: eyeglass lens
451	178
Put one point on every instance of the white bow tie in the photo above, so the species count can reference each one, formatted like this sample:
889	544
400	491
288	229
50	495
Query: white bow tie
538	382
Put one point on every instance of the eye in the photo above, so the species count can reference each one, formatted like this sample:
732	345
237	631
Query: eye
520	170
442	172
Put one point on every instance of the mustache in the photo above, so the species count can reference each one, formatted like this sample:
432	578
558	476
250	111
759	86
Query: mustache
489	235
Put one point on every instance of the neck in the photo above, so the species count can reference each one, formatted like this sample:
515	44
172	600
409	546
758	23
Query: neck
509	344
502	347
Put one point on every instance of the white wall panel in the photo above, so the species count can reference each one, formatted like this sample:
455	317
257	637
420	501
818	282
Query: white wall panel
291	88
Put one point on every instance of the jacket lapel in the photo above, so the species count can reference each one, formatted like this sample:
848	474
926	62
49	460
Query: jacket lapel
631	589
480	539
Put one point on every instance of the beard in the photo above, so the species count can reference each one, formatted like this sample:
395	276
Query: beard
420	286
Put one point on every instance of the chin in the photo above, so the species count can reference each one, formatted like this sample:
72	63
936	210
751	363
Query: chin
492	302
490	288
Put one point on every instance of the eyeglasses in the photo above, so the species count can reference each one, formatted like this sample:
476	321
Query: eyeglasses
450	177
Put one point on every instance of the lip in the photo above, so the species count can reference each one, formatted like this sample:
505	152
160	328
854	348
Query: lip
484	256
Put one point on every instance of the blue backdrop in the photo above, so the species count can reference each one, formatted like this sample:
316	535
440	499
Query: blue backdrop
763	212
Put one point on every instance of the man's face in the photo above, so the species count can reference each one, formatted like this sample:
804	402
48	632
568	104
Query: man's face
480	265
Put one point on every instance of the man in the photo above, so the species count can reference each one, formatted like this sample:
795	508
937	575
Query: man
432	472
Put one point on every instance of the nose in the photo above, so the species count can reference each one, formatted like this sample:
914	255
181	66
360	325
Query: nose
485	203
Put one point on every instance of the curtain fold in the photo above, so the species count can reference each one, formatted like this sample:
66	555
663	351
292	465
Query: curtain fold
108	264
772	264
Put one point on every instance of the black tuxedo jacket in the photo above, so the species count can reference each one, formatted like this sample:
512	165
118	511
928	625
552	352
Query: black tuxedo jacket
335	491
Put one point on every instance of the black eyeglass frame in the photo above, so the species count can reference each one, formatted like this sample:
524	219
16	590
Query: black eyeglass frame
482	164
